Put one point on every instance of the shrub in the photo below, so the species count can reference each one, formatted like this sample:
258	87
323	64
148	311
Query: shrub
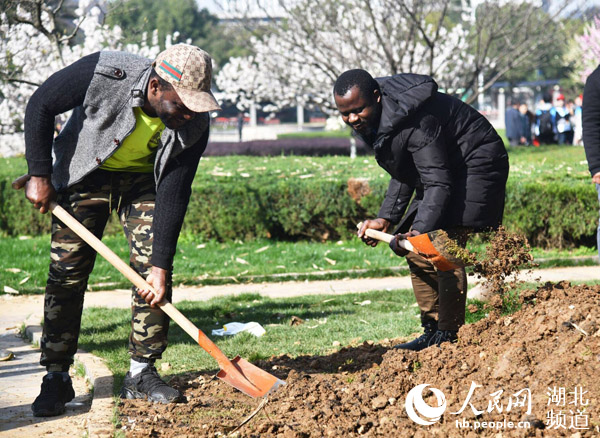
284	209
558	214
549	198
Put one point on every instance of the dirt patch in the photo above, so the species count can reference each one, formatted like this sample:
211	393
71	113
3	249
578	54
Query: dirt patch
451	245
358	188
548	354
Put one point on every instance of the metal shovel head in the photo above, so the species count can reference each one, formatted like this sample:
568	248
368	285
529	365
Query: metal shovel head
434	246
249	378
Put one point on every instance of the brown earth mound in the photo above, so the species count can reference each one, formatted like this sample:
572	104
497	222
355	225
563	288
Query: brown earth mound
547	354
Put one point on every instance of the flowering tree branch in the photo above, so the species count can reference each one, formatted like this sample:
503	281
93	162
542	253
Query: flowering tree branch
36	40
298	57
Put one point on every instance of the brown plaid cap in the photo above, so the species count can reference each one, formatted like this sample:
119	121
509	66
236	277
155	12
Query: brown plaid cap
189	69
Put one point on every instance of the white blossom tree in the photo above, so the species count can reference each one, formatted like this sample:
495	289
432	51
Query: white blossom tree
585	51
299	56
38	38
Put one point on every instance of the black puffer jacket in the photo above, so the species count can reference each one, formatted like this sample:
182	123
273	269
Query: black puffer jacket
591	121
444	151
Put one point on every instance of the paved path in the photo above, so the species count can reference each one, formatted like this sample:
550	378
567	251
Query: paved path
20	381
21	377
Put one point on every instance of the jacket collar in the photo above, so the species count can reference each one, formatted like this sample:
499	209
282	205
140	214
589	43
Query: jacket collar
402	96
138	91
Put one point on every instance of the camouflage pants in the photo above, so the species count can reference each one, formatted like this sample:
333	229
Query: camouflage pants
91	202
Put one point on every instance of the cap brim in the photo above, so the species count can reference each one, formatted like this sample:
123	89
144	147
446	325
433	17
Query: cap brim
198	101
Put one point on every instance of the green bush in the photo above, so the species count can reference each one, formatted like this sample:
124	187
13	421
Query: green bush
549	198
557	214
284	209
17	217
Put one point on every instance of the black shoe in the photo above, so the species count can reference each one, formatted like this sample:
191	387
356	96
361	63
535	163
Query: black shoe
430	328
55	393
443	336
148	384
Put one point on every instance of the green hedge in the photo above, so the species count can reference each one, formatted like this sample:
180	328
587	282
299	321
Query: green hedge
285	209
559	211
230	207
557	214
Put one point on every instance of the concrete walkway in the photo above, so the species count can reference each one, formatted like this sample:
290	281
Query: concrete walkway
89	414
20	378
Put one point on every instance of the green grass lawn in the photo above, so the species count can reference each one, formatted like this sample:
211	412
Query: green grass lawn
527	163
345	319
24	263
542	164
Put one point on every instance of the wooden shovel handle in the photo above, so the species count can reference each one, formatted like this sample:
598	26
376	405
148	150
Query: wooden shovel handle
19	183
385	237
379	235
189	327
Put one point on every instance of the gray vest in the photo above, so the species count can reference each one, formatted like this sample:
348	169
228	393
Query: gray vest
97	128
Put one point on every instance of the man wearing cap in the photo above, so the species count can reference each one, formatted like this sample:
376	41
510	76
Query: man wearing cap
132	144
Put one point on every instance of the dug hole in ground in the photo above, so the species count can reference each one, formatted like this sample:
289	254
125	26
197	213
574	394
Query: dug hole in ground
532	373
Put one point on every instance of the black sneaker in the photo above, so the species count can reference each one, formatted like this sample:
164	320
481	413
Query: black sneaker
55	393
430	329
148	384
443	336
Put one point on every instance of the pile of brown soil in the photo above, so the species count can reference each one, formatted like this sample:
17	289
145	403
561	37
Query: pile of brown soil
550	349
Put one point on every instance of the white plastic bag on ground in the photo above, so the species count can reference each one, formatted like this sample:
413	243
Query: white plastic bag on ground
233	328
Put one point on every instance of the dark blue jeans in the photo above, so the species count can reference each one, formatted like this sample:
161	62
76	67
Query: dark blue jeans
565	137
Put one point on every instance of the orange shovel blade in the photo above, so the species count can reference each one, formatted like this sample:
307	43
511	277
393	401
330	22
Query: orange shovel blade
424	246
249	378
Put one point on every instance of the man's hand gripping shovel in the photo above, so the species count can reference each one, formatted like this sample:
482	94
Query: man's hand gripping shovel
435	247
238	372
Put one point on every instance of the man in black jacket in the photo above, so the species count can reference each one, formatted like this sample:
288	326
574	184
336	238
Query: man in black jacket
132	143
591	130
449	157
